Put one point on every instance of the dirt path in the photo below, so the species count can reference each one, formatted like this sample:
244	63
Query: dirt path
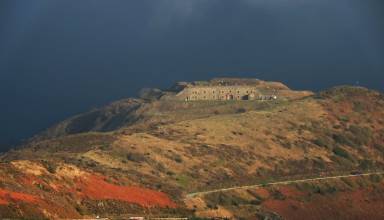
191	195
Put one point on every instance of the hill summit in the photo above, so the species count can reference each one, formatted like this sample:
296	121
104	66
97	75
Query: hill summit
167	154
154	105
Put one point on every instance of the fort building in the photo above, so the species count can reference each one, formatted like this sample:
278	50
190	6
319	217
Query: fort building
227	89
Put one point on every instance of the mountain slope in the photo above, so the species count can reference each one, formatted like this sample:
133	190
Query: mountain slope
167	149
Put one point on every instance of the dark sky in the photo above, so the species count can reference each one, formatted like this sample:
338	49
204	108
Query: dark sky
59	58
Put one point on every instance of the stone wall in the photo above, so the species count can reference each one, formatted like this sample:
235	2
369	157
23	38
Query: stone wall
220	93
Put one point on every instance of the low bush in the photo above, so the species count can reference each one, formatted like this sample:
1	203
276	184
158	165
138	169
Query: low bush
366	164
177	158
358	106
50	166
323	141
224	199
362	135
256	202
343	139
136	157
170	173
276	194
376	178
344	118
348	182
341	152
241	110
319	164
379	147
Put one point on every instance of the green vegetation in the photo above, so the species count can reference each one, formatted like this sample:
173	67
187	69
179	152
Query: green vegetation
349	182
224	199
323	141
276	194
136	157
204	145
340	93
361	135
341	152
366	164
343	139
49	165
322	188
241	110
376	178
177	158
344	118
76	143
183	180
358	106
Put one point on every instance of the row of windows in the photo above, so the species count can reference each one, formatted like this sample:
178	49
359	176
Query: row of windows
213	97
222	91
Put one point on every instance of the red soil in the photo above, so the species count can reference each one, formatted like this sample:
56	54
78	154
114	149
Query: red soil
95	187
360	204
30	180
290	191
3	202
9	196
262	192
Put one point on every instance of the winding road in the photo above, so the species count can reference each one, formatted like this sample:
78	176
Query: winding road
197	194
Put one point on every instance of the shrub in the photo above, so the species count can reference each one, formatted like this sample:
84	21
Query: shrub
376	178
362	135
341	152
276	194
224	199
358	106
323	142
344	118
379	147
319	164
241	110
170	173
343	139
178	158
348	181
136	157
255	202
183	180
80	210
50	166
366	164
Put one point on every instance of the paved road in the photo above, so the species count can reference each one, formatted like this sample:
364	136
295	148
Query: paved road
191	195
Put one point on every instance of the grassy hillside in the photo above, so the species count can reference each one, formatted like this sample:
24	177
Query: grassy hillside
171	148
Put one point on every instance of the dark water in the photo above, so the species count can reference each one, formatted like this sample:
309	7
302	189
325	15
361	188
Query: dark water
59	58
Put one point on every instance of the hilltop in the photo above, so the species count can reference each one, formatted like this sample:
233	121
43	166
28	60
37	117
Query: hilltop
144	155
